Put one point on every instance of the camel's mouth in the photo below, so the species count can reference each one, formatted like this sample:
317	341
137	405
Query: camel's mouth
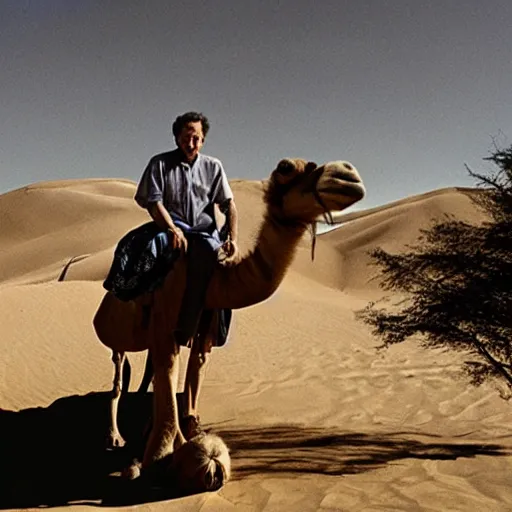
346	173
341	179
343	189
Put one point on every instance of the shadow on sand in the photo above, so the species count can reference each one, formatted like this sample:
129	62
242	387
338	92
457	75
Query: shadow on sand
293	449
55	456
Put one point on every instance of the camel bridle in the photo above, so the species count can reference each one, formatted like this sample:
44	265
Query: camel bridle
284	188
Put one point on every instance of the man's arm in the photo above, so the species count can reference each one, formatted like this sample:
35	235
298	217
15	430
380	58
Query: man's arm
162	217
228	208
230	247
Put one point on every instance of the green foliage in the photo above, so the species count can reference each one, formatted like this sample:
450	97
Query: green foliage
458	282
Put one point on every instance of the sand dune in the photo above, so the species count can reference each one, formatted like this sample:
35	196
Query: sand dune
315	416
393	227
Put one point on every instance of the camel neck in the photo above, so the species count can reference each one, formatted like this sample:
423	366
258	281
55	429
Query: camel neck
257	275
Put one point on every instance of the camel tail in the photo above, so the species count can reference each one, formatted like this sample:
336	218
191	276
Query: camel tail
146	379
148	375
127	375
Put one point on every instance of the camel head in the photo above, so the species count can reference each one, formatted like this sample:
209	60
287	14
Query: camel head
299	191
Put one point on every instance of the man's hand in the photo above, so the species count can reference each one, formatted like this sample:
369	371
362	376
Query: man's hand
178	240
230	249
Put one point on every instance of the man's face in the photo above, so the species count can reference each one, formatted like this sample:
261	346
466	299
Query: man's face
190	140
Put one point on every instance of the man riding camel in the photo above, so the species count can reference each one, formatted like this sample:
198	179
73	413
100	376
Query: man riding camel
179	189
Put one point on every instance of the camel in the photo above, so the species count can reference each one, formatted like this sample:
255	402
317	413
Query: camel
298	192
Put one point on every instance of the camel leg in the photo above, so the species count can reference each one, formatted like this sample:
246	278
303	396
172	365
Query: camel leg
144	386
165	434
179	440
114	438
196	370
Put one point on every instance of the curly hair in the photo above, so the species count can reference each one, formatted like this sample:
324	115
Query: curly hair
190	117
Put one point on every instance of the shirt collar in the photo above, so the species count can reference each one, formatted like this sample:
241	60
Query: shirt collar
183	160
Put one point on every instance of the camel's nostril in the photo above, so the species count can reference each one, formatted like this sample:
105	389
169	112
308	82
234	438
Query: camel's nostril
348	167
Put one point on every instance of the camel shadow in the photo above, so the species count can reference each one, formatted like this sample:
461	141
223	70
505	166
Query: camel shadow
55	456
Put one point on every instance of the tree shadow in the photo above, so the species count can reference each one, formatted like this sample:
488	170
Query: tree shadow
55	456
292	449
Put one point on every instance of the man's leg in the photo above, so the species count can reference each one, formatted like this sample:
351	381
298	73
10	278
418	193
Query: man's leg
202	255
201	258
199	357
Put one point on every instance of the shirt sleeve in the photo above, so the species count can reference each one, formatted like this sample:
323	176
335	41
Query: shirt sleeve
221	191
151	185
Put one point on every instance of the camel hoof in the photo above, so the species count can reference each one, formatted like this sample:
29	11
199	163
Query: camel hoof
115	440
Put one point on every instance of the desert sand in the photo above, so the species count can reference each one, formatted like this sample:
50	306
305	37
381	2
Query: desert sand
315	416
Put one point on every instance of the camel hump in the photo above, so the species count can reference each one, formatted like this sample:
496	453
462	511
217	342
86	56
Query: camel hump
115	323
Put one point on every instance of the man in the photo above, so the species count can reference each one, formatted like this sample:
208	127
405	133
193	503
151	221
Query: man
179	189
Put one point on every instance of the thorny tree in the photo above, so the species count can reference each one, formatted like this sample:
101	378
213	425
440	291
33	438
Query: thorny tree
458	283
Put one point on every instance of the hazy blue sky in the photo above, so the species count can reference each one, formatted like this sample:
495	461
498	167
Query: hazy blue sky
408	91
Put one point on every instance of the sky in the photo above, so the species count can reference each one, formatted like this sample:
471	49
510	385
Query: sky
407	91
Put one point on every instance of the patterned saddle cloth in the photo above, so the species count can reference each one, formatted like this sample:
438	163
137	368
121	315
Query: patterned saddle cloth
142	260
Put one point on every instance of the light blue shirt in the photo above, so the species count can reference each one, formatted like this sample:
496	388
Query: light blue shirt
187	191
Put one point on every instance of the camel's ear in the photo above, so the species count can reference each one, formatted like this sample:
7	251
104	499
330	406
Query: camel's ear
285	167
285	171
310	167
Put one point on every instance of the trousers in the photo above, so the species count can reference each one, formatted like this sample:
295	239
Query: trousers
201	258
